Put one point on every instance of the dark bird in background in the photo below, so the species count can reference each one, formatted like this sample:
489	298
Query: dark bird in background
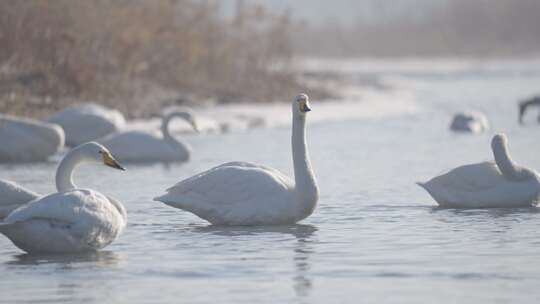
523	105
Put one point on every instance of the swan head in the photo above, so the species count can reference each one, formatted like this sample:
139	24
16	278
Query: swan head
97	153
301	104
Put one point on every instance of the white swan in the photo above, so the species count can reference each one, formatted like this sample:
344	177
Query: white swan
12	196
487	185
472	122
241	193
72	220
27	140
142	147
86	122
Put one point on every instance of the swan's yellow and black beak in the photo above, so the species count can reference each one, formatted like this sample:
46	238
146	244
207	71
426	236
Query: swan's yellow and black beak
195	125
109	160
304	106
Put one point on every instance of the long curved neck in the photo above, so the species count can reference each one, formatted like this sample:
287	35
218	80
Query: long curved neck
306	190
506	165
165	125
64	173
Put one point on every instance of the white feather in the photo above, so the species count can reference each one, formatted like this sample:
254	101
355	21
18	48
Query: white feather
87	122
13	196
27	140
483	185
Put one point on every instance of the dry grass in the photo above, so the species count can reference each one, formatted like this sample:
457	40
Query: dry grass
124	52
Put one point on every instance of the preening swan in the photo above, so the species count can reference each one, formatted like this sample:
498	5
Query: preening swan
27	140
142	147
86	122
240	193
72	220
487	185
12	196
472	122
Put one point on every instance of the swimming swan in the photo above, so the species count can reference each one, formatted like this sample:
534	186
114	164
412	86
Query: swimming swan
487	185
72	220
85	122
240	193
142	147
28	140
469	122
12	196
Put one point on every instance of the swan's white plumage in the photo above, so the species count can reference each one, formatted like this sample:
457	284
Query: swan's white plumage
72	220
139	146
144	147
236	193
87	122
483	185
240	193
13	196
27	140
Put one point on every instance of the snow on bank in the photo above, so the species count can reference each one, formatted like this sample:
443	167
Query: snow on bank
355	103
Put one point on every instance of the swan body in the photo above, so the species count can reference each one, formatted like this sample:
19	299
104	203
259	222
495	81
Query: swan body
240	193
13	196
72	220
142	147
471	122
86	122
27	140
487	185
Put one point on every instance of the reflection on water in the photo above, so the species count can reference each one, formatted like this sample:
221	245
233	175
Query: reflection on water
105	258
302	248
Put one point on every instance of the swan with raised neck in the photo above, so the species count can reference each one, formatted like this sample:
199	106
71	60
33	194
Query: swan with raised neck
185	114
306	189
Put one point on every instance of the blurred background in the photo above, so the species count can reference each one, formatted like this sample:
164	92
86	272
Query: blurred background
138	56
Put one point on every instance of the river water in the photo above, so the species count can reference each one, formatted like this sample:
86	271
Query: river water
374	237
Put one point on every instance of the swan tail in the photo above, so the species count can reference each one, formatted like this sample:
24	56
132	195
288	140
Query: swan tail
168	200
188	203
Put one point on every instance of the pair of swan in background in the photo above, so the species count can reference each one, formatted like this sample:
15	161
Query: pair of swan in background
28	140
71	220
240	193
487	184
142	147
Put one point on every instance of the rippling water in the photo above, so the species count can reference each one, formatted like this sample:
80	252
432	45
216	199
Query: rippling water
375	236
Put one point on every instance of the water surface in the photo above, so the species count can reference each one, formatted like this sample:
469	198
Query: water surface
375	236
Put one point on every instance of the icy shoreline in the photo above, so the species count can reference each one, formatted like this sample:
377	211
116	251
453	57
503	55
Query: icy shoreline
355	102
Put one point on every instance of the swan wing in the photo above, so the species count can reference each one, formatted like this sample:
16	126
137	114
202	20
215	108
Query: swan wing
79	205
235	192
12	196
72	221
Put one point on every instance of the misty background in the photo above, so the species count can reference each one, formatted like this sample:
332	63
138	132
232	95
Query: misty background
139	56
